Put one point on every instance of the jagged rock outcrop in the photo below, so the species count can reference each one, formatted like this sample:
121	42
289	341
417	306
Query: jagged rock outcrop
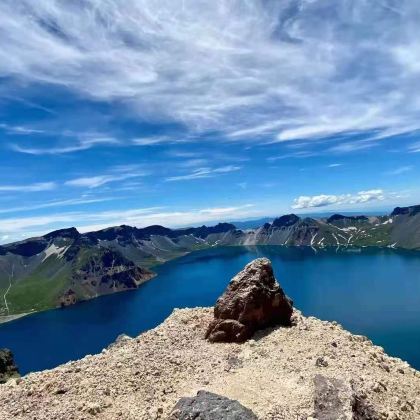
253	300
8	368
68	298
108	270
343	221
209	406
285	221
412	211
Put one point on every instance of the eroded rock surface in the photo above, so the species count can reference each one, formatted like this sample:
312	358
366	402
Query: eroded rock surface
210	406
253	300
333	399
8	368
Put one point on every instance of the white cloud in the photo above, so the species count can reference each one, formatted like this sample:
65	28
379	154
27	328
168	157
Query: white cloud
56	203
204	173
151	141
20	130
38	225
191	163
99	180
304	202
349	147
176	218
39	186
283	69
22	224
415	147
335	165
301	154
400	170
81	144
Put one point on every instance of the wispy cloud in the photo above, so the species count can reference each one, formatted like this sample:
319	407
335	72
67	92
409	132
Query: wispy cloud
301	154
335	165
36	187
239	68
80	144
349	147
151	141
323	200
20	130
414	147
56	203
191	163
13	227
205	173
400	170
99	180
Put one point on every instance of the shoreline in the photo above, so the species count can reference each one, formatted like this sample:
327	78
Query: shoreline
8	318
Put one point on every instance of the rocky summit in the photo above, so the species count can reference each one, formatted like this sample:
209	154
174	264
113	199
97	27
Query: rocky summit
310	370
253	300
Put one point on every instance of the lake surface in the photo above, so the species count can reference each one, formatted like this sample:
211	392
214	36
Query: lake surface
374	292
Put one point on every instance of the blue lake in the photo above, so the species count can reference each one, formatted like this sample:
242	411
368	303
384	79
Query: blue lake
374	292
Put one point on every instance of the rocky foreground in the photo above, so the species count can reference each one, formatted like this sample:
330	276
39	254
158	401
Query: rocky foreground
310	369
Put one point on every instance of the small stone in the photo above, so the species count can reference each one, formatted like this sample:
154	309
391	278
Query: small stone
379	387
321	362
385	367
93	408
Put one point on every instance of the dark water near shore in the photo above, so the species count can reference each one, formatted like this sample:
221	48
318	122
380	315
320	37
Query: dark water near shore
373	292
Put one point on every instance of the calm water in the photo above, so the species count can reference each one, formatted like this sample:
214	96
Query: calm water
374	292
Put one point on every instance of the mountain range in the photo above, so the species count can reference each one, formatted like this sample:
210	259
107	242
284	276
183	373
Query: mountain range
65	266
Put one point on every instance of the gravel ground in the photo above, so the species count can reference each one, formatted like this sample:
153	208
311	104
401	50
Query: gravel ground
272	374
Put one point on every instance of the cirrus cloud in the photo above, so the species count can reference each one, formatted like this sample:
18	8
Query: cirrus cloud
36	187
246	69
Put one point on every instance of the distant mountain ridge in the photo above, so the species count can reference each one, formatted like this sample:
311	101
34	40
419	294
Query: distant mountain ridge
66	266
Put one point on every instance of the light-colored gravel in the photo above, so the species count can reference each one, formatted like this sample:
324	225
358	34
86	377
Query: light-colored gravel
272	374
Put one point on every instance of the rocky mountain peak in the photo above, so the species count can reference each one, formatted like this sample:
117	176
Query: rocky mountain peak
253	300
69	233
340	217
411	211
146	232
286	220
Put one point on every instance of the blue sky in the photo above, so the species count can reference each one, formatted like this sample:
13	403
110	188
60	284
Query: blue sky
184	112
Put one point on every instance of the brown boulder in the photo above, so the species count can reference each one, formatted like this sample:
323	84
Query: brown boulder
253	300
